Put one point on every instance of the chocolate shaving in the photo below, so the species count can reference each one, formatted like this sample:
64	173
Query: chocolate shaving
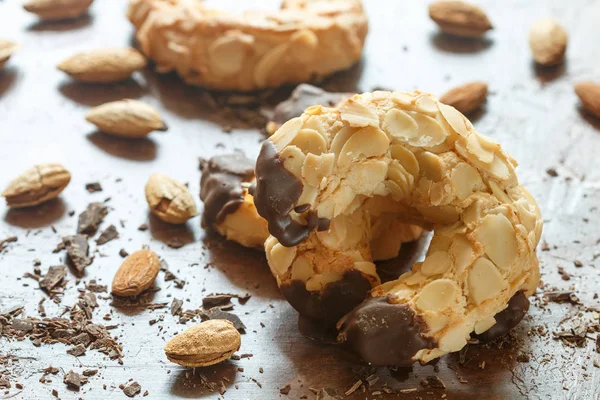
54	276
176	306
222	300
77	251
109	234
562	297
90	219
216	313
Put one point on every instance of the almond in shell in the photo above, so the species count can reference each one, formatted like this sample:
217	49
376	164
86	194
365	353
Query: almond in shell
54	10
37	185
103	66
136	274
548	42
207	343
466	98
169	199
459	18
7	48
589	94
126	118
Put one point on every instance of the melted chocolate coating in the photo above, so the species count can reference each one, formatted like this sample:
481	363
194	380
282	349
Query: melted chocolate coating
384	334
302	97
275	195
333	302
518	305
221	186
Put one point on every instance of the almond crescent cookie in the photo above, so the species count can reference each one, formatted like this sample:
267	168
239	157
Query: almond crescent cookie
322	179
229	209
306	39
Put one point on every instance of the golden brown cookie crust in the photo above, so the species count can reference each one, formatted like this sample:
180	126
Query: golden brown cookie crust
306	39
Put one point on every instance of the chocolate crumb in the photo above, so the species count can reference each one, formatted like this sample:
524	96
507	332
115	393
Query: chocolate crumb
109	234
90	372
132	389
90	219
55	275
143	227
93	187
552	172
123	253
434	382
73	380
286	389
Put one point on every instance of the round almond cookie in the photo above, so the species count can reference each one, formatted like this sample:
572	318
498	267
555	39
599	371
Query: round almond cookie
306	39
322	178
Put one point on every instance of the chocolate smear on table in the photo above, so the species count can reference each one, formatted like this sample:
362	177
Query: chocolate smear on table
276	193
109	234
216	313
77	251
331	303
302	97
93	187
53	277
221	186
90	219
382	333
507	319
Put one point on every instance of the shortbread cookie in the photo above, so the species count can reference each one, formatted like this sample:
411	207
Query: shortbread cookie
306	39
323	176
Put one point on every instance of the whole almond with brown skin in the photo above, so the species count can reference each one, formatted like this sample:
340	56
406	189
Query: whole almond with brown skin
126	118
169	199
103	66
205	344
54	10
460	19
7	48
466	98
589	94
37	185
136	274
548	42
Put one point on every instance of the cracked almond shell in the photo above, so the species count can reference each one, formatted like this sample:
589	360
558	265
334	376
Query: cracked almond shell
104	65
207	343
136	274
169	199
37	185
126	118
55	10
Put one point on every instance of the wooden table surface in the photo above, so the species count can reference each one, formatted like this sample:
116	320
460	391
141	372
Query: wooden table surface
533	112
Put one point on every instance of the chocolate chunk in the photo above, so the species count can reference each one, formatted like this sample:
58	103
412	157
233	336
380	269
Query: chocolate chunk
73	380
562	296
302	97
77	251
54	276
275	195
217	300
132	389
508	318
90	372
109	234
221	186
176	306
93	187
384	334
286	389
331	303
90	219
77	351
234	319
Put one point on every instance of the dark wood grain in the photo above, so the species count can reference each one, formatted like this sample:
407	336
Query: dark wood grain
533	112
